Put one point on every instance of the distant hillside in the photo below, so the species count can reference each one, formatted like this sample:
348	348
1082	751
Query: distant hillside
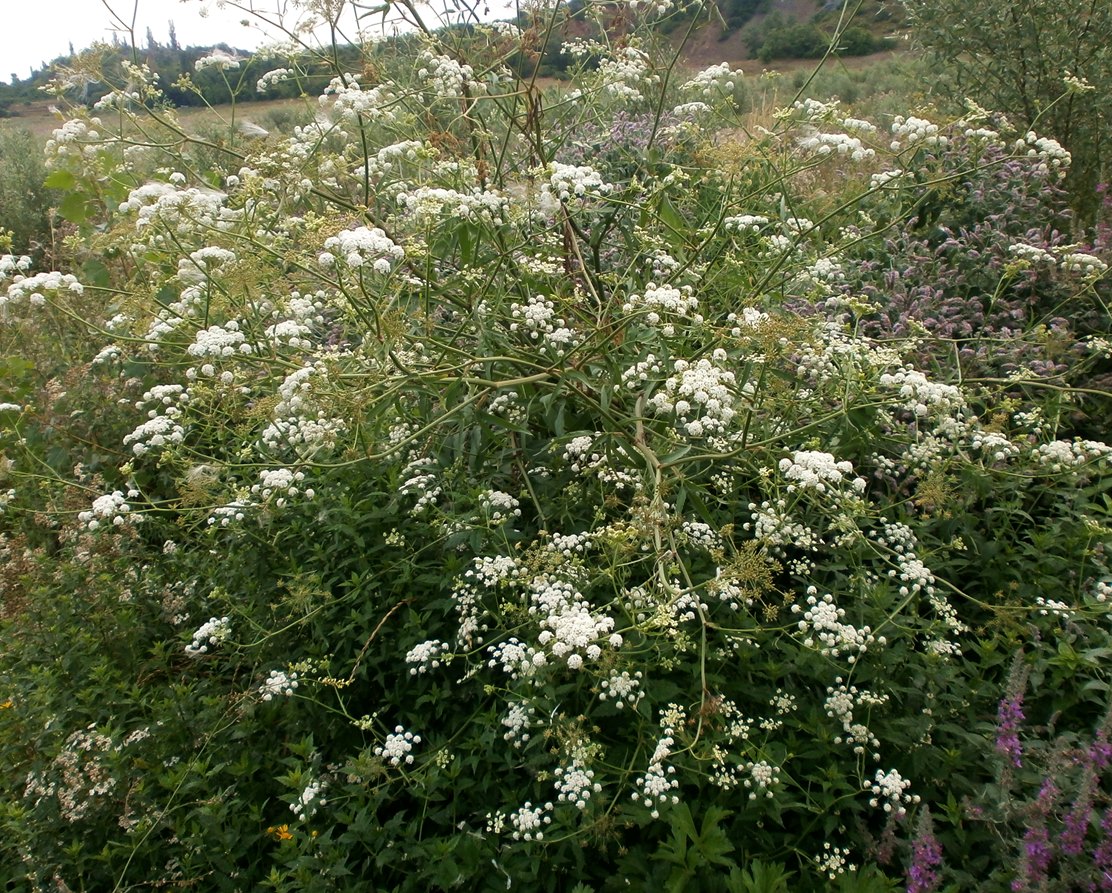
729	31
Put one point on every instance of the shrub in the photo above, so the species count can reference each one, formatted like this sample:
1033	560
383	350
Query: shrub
442	495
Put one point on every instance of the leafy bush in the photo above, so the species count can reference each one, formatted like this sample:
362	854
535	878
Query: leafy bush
446	495
1043	64
24	200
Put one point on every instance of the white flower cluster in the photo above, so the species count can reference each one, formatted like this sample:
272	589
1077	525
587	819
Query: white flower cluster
622	688
202	263
514	657
220	341
1064	455
428	204
34	289
225	515
445	75
812	110
538	320
298	421
183	212
745	223
74	139
162	427
1085	264
667	300
1032	253
575	784
581	457
425	655
823	620
835	144
398	747
833	861
362	246
634	377
922	396
624	74
655	787
308	801
271	78
569	628
354	104
211	633
890	790
713	82
570	181
12	267
814	470
841	701
1052	156
912	131
112	507
517	720
1049	606
773	525
885	179
762	778
218	59
278	683
281	482
529	821
499	506
420	479
699	395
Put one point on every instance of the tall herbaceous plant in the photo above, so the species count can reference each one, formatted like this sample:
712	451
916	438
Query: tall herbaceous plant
492	486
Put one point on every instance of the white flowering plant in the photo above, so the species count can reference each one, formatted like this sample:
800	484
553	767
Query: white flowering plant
455	510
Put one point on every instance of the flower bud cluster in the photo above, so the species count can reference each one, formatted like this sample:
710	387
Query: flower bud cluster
425	655
699	395
835	144
622	688
33	289
713	82
889	790
445	76
354	105
537	320
667	300
655	787
762	778
211	633
815	470
362	246
398	747
823	620
278	684
112	507
575	784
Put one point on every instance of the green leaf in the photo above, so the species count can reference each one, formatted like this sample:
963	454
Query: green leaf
74	207
60	180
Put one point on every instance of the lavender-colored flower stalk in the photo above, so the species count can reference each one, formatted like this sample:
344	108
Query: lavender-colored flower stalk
1076	822
1102	855
1008	718
1009	715
926	856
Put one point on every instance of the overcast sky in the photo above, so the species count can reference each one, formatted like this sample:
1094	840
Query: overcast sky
37	31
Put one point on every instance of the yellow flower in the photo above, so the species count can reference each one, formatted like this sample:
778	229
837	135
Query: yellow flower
280	832
6	705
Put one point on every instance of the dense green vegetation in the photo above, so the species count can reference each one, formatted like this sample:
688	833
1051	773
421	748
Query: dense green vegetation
467	486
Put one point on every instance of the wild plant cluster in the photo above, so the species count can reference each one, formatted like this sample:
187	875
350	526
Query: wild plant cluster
486	488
